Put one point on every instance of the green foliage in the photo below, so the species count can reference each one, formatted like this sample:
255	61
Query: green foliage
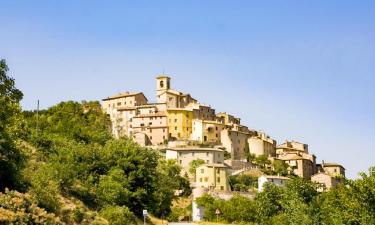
262	161
11	128
169	180
118	215
237	209
81	122
17	208
280	167
243	182
250	157
78	215
193	165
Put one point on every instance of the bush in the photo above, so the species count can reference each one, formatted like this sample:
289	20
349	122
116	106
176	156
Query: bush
118	215
18	208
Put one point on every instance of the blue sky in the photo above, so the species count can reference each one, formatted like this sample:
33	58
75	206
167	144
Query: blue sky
301	70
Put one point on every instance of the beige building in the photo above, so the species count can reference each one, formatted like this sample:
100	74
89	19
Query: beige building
203	112
207	131
332	169
327	181
228	119
262	144
302	164
126	99
235	142
154	127
213	177
121	108
185	155
292	146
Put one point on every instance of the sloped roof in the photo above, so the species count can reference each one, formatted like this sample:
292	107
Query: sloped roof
125	94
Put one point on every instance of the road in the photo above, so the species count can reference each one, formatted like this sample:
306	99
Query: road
182	223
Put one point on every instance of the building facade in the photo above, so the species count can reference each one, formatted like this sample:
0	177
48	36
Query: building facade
213	177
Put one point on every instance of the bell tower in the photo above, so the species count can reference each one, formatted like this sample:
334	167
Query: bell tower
162	84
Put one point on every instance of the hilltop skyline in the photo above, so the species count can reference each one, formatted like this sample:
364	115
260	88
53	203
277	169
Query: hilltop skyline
301	71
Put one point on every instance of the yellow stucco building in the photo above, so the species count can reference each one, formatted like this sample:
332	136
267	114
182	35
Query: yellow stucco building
179	123
213	177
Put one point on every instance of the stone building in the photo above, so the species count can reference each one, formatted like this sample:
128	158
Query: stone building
326	181
170	97
121	108
262	144
235	142
333	169
301	163
292	146
207	131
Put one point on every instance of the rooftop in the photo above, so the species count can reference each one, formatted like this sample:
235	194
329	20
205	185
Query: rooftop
123	95
194	148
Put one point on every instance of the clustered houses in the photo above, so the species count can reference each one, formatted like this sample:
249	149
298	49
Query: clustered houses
178	123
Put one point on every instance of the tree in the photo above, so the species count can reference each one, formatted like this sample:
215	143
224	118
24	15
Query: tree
262	160
11	157
280	167
193	165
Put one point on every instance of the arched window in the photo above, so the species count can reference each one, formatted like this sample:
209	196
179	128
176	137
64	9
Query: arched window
161	84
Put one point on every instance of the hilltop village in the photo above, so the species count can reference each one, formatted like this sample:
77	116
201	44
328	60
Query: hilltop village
187	131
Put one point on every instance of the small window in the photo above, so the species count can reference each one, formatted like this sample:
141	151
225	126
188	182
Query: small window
202	170
150	136
175	128
175	120
222	188
206	179
118	103
200	179
218	179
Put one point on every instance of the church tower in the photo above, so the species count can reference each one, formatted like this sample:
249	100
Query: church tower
162	84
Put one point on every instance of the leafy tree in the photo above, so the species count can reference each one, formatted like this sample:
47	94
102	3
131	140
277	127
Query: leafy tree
280	167
11	128
193	165
268	202
169	181
262	160
243	182
118	215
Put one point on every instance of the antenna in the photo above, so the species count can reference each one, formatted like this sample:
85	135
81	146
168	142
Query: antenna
37	118
163	71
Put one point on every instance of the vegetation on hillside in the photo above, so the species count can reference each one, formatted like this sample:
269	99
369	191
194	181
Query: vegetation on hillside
299	203
61	166
71	170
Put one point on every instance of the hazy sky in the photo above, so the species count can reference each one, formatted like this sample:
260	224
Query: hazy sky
301	70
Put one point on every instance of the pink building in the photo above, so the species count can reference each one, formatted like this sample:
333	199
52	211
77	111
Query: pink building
152	126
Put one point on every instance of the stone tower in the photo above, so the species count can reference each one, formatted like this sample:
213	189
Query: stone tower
162	85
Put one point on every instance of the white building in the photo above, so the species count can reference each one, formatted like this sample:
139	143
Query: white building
277	180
